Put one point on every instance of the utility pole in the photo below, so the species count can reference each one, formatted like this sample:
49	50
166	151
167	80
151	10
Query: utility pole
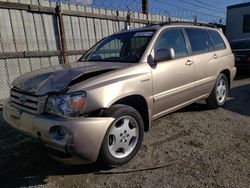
145	6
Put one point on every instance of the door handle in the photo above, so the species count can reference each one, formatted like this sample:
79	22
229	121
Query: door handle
215	56
189	62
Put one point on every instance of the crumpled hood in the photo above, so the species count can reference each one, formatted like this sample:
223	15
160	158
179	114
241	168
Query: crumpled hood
58	78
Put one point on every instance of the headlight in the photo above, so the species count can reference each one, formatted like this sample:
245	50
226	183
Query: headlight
66	104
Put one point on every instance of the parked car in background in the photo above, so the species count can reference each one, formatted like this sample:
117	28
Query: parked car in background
241	50
102	105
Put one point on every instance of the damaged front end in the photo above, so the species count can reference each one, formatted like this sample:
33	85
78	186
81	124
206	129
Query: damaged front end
58	78
45	90
79	138
40	106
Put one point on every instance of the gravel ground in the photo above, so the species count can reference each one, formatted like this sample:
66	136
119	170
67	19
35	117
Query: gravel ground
194	147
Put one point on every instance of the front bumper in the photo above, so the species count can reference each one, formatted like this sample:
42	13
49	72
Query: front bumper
83	138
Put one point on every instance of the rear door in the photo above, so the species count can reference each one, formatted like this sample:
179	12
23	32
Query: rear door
205	60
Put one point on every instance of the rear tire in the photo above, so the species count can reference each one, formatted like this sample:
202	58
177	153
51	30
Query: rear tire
219	93
124	137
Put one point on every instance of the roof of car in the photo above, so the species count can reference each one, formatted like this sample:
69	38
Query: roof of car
154	27
147	28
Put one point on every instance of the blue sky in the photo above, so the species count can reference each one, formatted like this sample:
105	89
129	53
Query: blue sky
212	10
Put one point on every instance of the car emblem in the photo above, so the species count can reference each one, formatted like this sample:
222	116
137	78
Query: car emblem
22	99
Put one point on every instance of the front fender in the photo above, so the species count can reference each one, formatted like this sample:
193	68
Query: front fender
104	90
105	96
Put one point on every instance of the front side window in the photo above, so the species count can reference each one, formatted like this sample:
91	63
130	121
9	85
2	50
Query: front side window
172	38
124	47
199	40
246	23
217	40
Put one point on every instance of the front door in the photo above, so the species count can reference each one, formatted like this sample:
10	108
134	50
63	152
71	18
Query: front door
173	80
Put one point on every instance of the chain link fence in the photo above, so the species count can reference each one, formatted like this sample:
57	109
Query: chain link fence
19	56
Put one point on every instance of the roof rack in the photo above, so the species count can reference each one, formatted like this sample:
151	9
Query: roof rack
184	23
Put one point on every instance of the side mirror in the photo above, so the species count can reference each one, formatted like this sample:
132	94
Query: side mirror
164	55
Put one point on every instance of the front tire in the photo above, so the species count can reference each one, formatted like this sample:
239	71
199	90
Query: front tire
124	137
219	93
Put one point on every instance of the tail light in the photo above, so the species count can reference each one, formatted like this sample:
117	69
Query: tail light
248	59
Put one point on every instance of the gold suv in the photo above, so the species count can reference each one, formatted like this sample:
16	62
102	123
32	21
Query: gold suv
100	106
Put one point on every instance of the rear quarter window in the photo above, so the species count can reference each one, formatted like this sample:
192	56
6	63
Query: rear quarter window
217	40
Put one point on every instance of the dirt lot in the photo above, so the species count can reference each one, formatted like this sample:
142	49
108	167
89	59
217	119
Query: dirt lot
194	147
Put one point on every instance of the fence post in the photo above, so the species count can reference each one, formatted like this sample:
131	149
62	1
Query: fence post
129	26
62	33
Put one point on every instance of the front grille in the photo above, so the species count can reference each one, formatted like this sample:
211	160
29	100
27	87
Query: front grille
26	101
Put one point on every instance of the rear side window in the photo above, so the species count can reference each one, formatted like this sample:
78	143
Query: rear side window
199	40
217	40
172	38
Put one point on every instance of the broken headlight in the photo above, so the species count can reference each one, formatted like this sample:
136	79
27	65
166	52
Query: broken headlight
71	104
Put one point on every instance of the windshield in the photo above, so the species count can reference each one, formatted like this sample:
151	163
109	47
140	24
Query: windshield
124	47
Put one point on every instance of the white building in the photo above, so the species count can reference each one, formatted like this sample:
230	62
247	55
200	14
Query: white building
238	21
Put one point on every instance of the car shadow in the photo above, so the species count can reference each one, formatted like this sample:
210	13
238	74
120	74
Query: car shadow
239	96
238	102
238	99
242	74
196	107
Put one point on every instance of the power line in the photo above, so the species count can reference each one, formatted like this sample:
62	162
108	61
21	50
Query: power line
185	13
208	5
176	11
181	8
195	5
